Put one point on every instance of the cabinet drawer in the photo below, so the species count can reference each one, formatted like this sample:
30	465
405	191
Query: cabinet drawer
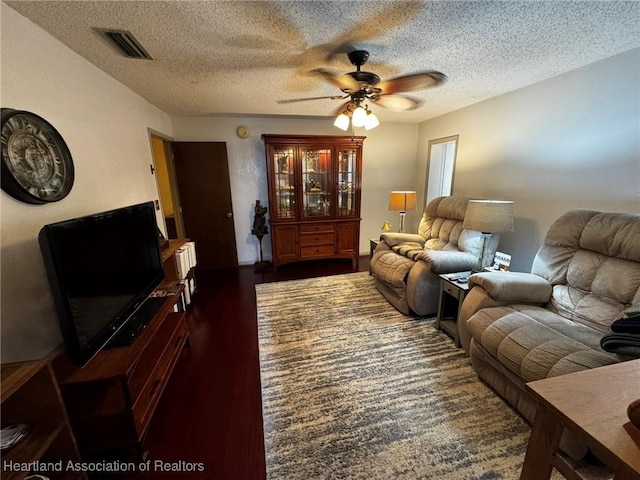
317	251
317	239
322	228
147	361
452	290
148	398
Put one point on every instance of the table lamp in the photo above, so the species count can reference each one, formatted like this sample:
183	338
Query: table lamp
402	202
488	217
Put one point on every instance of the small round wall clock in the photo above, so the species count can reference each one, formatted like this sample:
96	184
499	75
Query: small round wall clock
242	131
36	163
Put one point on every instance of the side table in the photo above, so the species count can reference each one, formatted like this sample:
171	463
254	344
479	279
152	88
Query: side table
373	243
593	404
453	289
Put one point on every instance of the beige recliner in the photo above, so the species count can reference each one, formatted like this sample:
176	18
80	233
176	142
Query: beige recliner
406	266
521	327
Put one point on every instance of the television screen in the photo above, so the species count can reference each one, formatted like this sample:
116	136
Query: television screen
101	270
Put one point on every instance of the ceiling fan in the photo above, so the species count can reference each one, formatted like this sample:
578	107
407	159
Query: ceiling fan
360	86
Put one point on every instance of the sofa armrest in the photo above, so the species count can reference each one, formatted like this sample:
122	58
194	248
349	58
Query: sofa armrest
446	261
513	287
475	300
493	289
393	239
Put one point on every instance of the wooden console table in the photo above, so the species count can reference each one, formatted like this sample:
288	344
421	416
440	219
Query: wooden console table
110	401
593	404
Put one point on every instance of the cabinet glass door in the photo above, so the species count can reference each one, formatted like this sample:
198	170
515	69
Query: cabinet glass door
347	183
316	182
283	167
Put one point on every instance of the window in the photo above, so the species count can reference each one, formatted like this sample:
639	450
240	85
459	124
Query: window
442	159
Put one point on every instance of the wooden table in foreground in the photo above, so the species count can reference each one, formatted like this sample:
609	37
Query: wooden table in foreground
593	404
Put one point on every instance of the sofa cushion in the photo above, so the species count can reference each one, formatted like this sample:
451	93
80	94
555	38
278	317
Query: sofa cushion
535	343
593	261
614	235
408	249
395	238
472	242
441	222
444	234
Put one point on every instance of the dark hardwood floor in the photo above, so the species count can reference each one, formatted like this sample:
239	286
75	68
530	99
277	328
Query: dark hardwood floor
210	412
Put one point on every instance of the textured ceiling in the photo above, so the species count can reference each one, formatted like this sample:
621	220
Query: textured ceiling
239	57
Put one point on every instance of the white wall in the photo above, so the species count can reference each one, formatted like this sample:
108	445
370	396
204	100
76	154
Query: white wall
571	142
388	164
105	126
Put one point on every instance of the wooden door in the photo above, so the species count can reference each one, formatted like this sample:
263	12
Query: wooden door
205	195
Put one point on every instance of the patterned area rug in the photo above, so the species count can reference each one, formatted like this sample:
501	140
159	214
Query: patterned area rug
352	389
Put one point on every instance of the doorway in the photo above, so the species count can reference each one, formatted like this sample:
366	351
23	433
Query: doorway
167	186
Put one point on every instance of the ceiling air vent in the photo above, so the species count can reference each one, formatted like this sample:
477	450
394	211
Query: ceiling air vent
126	43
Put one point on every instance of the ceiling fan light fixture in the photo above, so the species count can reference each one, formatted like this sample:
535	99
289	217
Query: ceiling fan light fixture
342	121
361	87
371	121
359	117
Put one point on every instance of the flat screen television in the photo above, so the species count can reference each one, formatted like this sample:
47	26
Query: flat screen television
101	270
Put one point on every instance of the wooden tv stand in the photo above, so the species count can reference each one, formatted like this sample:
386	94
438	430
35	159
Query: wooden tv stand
110	401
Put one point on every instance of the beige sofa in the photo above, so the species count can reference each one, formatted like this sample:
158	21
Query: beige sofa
520	327
406	266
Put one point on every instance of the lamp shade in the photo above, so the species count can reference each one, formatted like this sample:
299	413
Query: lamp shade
342	122
359	117
490	216
371	121
402	201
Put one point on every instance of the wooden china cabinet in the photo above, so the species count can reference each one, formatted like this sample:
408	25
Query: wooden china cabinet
314	196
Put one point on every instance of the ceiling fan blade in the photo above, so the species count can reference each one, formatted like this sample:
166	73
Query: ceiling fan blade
411	83
294	100
397	102
346	83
